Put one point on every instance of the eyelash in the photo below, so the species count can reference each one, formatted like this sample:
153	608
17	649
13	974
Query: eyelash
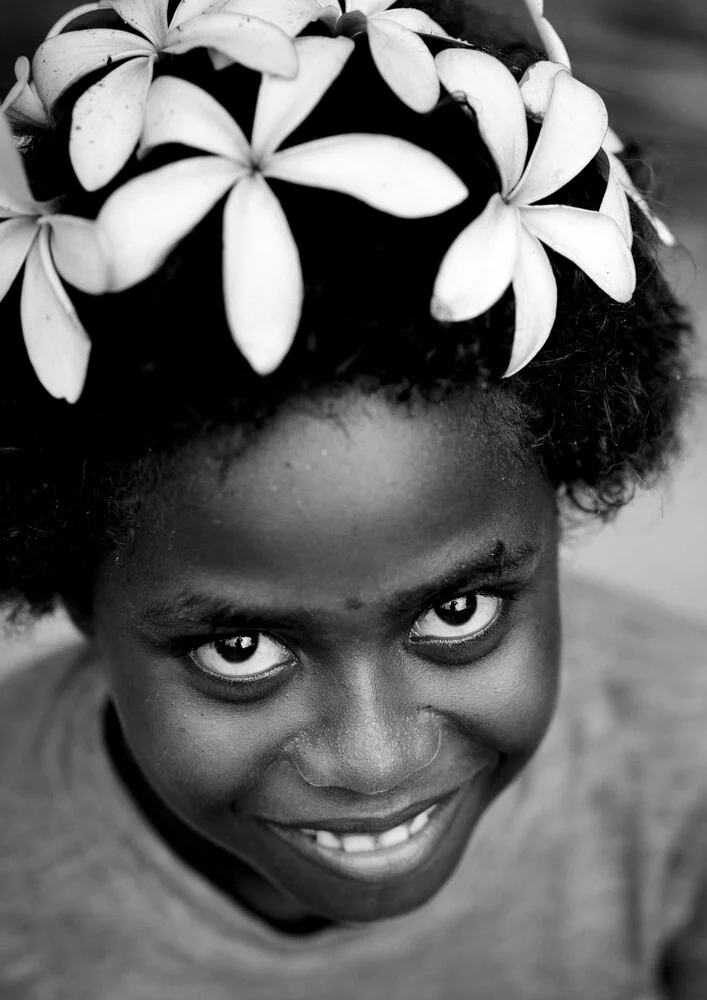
254	684
505	594
187	646
184	649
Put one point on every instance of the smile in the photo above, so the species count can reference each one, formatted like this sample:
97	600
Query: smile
357	843
379	857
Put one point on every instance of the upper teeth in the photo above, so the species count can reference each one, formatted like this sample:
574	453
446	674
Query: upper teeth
356	843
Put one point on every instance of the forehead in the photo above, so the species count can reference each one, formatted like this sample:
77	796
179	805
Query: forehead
343	503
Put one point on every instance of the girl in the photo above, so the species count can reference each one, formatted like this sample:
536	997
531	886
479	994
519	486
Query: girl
318	327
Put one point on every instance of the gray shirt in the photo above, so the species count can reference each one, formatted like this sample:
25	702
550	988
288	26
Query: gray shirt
583	881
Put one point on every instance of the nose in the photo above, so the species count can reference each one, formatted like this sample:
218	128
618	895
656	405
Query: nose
369	737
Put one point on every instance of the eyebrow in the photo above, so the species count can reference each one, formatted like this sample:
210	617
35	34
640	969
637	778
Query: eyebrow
187	609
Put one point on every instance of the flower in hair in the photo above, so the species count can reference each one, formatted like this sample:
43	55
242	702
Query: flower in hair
292	16
108	118
35	235
503	246
400	55
536	87
22	105
142	222
552	43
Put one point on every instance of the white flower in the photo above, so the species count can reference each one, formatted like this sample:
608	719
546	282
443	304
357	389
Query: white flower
263	287
108	118
400	55
291	16
552	43
22	105
503	245
536	87
37	237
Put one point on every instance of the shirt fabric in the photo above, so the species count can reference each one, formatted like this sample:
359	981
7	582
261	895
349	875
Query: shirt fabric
580	882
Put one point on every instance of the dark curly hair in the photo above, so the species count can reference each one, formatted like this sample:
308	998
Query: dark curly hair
598	406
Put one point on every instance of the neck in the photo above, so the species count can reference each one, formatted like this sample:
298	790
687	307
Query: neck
226	872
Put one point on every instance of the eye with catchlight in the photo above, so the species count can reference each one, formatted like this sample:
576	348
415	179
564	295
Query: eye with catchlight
242	657
466	616
253	655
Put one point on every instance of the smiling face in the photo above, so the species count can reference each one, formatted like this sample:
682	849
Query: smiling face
353	619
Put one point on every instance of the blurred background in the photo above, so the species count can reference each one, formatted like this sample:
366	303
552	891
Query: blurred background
648	59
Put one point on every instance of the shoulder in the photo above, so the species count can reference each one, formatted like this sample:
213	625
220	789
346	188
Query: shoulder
634	647
37	697
635	682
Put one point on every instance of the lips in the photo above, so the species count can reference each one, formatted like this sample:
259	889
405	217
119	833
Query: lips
363	825
382	864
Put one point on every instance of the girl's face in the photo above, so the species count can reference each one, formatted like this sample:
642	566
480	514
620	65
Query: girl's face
353	620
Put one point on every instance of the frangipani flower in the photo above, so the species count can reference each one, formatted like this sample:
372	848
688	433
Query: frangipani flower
47	244
536	86
400	55
291	16
108	118
552	43
263	287
503	245
22	105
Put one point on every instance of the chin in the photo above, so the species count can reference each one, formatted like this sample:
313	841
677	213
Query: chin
380	884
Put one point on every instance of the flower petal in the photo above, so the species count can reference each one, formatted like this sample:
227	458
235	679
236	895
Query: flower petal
624	178
405	63
615	204
22	105
571	135
62	60
289	15
149	17
188	9
535	290
552	42
389	173
142	222
329	14
15	195
78	254
368	7
479	265
593	241
107	123
75	14
284	104
249	41
415	20
219	61
179	111
16	238
492	91
56	342
262	275
664	234
536	87
612	143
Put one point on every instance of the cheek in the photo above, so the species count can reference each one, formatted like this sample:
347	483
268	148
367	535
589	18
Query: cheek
507	700
197	752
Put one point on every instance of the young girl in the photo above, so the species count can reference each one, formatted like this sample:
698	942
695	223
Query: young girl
318	327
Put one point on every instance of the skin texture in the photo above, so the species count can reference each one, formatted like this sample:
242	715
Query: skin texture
336	537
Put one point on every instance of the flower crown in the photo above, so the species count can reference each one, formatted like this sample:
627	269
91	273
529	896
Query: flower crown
130	111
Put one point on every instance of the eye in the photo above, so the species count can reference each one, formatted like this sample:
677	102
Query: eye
463	617
245	656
